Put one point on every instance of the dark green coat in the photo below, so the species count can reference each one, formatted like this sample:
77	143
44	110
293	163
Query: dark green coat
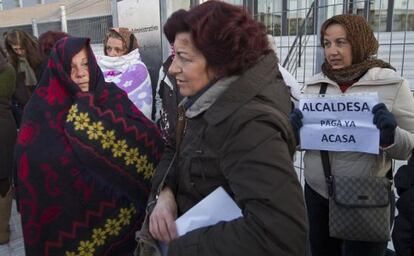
8	130
243	142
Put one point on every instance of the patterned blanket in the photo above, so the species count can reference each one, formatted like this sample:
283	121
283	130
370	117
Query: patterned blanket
130	74
84	163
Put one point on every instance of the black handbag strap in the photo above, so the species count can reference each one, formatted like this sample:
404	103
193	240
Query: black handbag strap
324	154
324	86
179	132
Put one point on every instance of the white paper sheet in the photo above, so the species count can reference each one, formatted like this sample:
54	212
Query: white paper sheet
217	206
339	123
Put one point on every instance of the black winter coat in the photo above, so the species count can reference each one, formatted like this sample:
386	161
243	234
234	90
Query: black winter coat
243	142
403	232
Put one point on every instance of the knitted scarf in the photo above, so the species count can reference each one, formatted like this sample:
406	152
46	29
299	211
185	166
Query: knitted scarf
130	74
84	162
364	47
23	66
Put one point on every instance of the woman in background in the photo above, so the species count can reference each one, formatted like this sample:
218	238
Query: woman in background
123	66
85	157
46	42
25	57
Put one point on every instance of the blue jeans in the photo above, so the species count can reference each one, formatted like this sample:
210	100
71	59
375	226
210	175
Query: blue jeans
322	244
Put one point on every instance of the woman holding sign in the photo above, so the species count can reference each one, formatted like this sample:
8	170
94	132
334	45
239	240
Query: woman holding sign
350	67
237	135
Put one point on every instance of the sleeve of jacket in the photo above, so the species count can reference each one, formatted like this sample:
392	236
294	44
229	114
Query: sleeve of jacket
171	179
21	94
259	169
403	110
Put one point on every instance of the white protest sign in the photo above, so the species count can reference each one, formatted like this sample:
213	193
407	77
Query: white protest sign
339	123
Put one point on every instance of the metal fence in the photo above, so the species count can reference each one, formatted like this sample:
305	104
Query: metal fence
294	24
90	18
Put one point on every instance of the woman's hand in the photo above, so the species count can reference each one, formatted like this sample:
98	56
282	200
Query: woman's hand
295	118
162	219
385	122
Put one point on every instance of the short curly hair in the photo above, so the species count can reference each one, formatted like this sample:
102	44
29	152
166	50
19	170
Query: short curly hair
228	37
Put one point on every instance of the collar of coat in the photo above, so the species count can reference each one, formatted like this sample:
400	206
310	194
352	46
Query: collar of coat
208	97
244	89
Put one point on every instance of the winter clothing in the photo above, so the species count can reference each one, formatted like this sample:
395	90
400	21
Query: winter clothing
92	180
130	74
403	231
20	98
25	86
394	92
5	212
293	84
26	75
364	75
288	78
8	135
24	67
7	81
8	130
166	101
385	122
238	136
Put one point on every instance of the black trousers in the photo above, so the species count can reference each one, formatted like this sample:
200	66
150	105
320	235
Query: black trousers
322	244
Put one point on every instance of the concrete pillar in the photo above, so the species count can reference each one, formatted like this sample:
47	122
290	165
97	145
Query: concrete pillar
114	12
63	21
34	28
321	14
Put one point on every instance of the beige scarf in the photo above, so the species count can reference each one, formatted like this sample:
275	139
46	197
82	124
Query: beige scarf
364	46
23	66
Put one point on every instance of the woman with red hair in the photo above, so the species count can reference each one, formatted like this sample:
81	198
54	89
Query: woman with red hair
47	40
237	135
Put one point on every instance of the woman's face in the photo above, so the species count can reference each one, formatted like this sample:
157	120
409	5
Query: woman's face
338	50
189	66
18	50
115	47
79	72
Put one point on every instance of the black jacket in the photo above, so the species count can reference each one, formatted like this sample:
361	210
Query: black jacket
243	142
169	95
403	232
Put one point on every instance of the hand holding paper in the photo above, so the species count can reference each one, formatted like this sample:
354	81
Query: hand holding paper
162	225
217	206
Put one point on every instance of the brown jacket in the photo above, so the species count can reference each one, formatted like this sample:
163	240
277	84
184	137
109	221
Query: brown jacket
243	142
